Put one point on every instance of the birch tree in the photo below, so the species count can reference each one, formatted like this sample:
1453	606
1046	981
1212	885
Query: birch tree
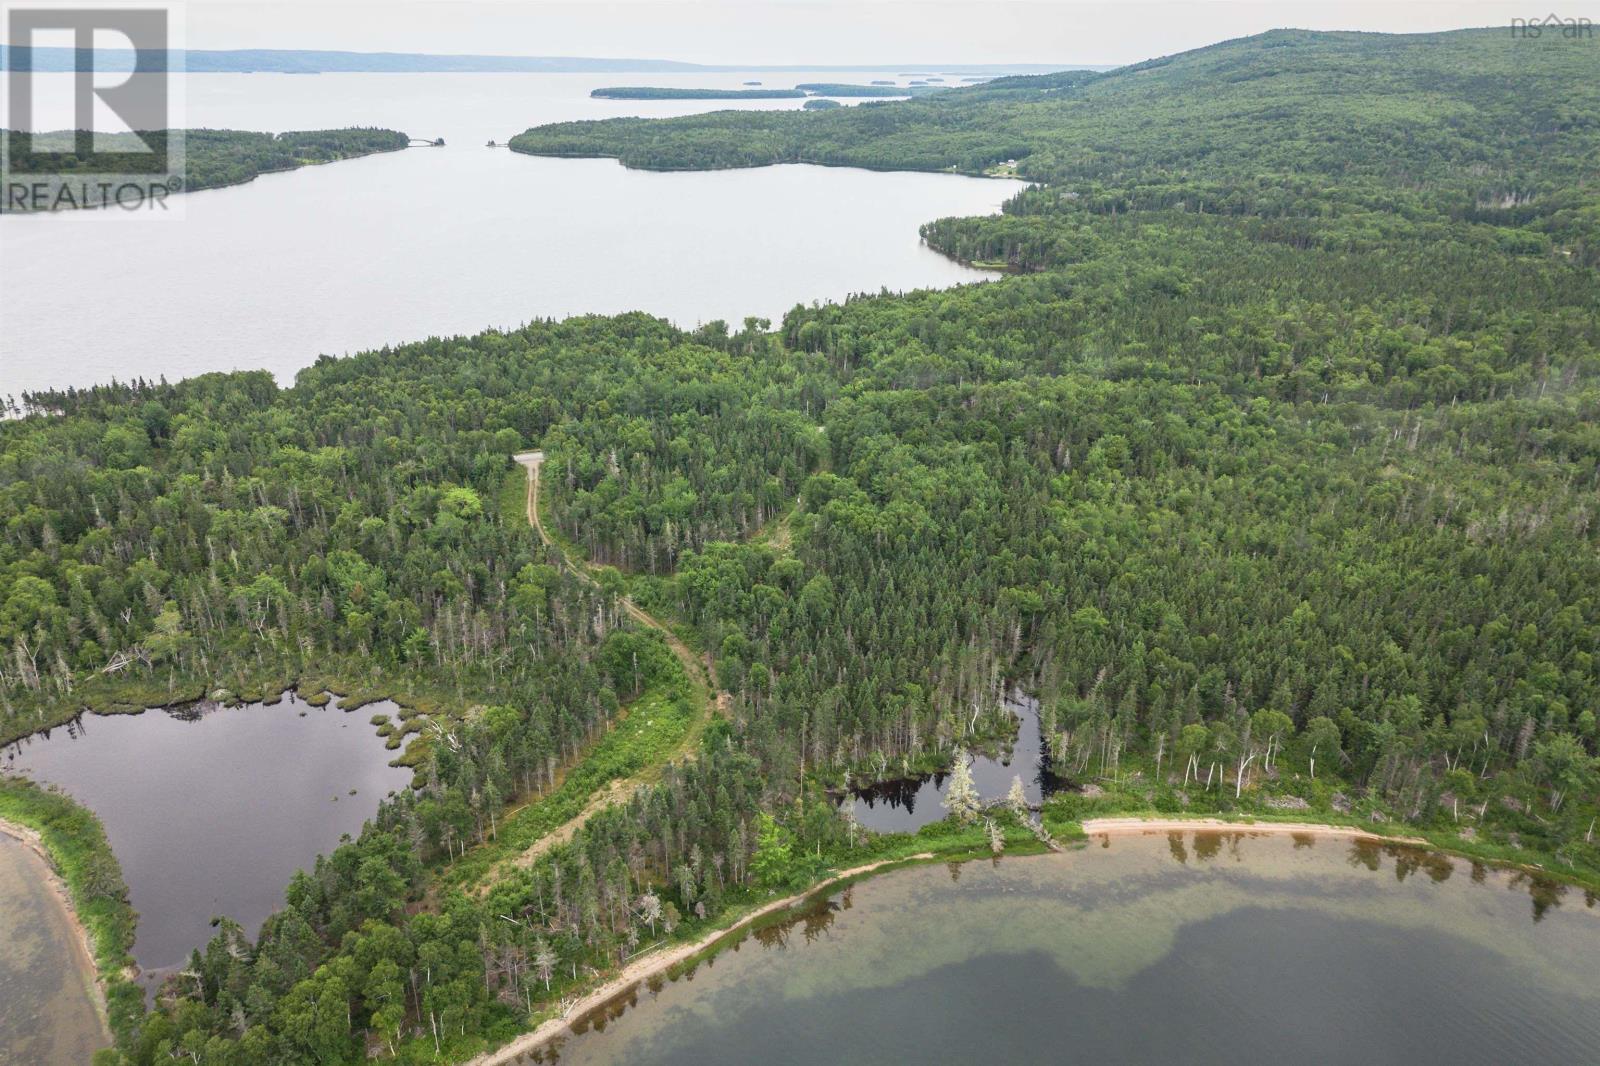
1017	799
961	797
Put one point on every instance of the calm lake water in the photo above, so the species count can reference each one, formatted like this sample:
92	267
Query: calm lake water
904	805
1196	948
47	1014
439	241
210	813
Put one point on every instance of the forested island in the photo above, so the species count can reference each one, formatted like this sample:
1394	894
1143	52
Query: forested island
1272	471
213	158
817	88
656	92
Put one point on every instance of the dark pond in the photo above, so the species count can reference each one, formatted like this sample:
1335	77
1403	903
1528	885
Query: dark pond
1186	947
904	805
211	812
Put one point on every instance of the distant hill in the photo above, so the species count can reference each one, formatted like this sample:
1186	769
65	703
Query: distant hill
1490	117
295	61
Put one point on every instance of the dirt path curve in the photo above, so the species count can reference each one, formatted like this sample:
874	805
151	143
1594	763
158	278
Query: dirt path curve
697	668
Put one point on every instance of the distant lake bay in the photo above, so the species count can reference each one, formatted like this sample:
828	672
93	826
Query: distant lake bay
439	241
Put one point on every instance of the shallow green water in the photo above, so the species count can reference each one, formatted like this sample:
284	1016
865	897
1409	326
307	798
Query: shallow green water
47	1015
1196	948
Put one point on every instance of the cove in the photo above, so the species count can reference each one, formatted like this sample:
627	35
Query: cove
1204	947
211	810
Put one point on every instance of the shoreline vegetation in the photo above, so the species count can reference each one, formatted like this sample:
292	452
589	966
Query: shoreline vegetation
317	690
87	879
213	159
83	948
1134	825
798	161
641	968
671	956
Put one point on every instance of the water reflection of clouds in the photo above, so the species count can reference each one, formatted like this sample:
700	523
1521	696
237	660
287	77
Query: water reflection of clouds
1106	916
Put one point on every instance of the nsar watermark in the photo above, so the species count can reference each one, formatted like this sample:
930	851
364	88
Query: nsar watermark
91	111
1571	29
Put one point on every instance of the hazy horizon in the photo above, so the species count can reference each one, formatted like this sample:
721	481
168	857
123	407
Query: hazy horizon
805	33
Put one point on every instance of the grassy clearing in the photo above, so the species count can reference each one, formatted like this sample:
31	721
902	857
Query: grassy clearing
511	502
651	730
664	723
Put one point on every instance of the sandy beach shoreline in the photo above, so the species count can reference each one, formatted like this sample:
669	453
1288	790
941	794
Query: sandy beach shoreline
644	968
1125	826
83	945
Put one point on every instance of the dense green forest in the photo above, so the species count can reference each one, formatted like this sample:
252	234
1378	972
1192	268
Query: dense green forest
212	158
1279	449
1285	124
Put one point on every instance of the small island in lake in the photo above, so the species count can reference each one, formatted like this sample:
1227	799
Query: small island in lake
656	92
820	104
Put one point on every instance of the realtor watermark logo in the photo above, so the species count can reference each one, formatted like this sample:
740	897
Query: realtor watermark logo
1571	29
91	111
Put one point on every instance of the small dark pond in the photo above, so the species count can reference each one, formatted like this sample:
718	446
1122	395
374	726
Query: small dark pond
211	811
904	805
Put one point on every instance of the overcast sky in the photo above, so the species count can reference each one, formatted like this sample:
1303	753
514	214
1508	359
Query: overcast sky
802	31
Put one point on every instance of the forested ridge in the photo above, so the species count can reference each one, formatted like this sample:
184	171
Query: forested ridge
212	158
1278	453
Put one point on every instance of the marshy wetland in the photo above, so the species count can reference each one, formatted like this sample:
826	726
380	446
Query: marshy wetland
906	804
